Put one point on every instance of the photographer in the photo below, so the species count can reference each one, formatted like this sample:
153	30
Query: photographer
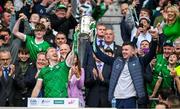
6	42
4	37
142	31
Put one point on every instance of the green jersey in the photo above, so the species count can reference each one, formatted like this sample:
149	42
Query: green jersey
171	31
34	48
161	63
167	79
55	80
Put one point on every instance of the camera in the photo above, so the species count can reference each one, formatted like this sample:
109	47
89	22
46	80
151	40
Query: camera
2	37
140	25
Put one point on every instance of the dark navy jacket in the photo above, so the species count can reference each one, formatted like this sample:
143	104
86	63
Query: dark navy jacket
135	66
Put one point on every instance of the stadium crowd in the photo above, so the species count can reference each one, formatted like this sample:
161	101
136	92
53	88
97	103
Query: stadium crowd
39	58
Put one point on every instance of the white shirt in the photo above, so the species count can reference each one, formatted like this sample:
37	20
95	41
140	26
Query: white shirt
111	46
141	37
98	43
124	87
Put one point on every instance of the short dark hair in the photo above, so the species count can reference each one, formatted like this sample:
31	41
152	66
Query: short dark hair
40	26
60	32
145	41
23	50
147	10
4	29
130	44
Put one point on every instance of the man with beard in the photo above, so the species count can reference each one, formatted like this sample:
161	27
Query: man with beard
54	77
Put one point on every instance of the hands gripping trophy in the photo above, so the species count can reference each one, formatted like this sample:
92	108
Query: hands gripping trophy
85	33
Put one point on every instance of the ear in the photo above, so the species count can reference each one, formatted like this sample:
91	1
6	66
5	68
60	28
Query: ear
47	57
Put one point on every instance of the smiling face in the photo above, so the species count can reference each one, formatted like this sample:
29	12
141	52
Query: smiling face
64	50
23	56
52	54
41	61
171	14
127	51
167	50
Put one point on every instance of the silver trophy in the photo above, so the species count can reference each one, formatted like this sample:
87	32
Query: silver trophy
87	34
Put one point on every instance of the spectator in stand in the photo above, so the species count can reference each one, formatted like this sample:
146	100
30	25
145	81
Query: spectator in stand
76	81
41	8
5	20
163	95
101	29
142	31
60	39
110	44
177	48
145	13
144	48
98	83
170	29
159	12
127	24
59	22
34	20
64	50
34	45
56	71
33	72
165	78
4	38
161	62
7	42
7	75
22	64
50	33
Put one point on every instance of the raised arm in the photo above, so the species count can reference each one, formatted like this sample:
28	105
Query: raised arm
103	57
70	59
37	88
152	53
16	29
